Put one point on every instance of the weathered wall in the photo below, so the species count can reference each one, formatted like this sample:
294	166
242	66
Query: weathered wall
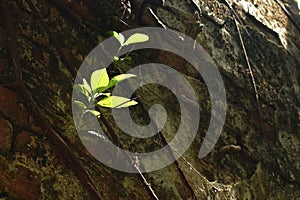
268	157
252	160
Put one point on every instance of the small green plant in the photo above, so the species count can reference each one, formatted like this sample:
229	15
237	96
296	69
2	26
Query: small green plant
96	91
133	39
99	83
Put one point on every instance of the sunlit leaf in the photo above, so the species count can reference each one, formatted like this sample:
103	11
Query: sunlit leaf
101	94
122	39
136	38
115	34
86	86
118	36
80	88
106	94
94	112
116	102
99	79
80	104
118	79
116	58
128	58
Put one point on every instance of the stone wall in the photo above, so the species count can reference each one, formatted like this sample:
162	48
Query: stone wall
257	155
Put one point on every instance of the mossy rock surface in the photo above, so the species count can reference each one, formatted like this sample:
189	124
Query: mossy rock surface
256	157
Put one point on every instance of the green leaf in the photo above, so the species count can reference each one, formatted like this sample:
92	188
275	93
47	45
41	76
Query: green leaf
116	102
116	58
99	79
128	58
105	94
119	37
86	86
80	104
136	38
80	88
94	112
101	94
118	79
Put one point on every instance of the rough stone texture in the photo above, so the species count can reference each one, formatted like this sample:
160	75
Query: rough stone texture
6	136
268	158
250	161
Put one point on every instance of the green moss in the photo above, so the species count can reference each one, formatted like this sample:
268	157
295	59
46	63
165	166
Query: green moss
56	181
